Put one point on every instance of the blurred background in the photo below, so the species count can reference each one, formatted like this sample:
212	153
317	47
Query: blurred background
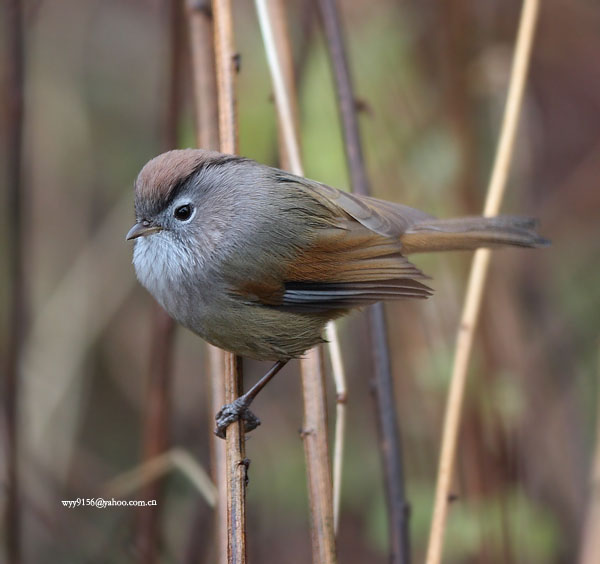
431	81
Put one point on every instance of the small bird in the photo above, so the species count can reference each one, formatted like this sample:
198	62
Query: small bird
256	260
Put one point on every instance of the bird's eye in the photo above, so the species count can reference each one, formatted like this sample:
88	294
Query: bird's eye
183	213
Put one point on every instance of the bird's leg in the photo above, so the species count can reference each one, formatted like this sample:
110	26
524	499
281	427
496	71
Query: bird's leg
238	409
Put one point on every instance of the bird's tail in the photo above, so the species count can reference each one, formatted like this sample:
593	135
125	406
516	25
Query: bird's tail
465	233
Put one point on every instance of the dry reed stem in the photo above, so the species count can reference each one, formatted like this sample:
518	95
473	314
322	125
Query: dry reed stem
174	459
590	541
225	64
316	451
383	383
236	462
281	38
477	279
203	70
207	137
313	386
341	392
345	94
283	97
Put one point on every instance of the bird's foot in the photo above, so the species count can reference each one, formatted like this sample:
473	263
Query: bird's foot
235	411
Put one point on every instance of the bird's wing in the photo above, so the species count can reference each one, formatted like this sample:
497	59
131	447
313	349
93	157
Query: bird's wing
322	297
382	217
353	259
350	266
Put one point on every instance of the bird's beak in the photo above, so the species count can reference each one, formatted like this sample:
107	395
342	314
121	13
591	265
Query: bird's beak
142	229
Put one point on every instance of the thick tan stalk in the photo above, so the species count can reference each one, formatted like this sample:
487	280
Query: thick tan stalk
315	404
282	41
316	450
477	279
236	462
204	75
226	63
207	137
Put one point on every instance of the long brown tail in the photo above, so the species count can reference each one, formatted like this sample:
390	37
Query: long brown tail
465	233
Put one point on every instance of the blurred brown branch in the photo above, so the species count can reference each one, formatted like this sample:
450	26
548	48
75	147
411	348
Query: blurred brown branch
18	305
201	34
158	401
203	70
149	471
237	463
314	432
389	435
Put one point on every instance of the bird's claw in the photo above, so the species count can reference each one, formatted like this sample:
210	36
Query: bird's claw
235	411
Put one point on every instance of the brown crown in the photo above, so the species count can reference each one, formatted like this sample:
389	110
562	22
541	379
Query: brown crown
164	173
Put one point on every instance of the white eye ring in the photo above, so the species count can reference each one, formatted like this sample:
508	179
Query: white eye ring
184	212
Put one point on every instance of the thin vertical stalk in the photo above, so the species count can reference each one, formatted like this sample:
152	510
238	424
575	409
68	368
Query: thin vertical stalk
207	137
389	438
236	462
316	452
225	62
316	447
345	93
281	38
17	305
158	405
477	279
201	34
590	540
389	435
341	392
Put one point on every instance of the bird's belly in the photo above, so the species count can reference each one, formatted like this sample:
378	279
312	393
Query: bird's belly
198	299
255	331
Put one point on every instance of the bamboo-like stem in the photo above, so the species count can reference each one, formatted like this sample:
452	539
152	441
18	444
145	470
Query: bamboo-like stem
341	392
477	279
17	305
283	96
225	63
316	451
389	434
281	38
313	386
590	540
236	462
345	94
236	468
158	410
207	137
203	66
390	444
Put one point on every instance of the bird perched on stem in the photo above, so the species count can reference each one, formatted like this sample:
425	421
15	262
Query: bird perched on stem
256	260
